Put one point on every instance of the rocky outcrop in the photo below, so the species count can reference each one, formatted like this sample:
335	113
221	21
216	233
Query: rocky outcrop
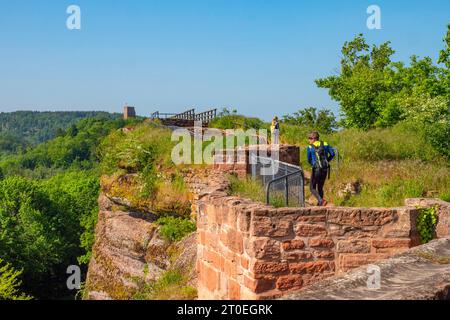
422	273
129	250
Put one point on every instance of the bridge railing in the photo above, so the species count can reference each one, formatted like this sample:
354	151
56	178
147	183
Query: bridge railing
204	117
162	115
207	116
187	115
284	183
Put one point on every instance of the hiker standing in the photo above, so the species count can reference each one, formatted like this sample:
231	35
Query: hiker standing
320	154
275	131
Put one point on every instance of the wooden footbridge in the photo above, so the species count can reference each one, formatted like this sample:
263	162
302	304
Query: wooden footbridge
185	119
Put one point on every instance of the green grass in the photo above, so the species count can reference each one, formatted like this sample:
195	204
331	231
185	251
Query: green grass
392	164
237	122
254	190
172	285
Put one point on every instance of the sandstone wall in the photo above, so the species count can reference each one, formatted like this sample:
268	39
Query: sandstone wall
421	273
249	251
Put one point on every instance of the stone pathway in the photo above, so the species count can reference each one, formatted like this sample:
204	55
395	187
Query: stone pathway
422	273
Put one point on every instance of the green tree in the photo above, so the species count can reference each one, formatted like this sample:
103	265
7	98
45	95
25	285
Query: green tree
371	88
444	55
10	283
444	58
322	120
361	88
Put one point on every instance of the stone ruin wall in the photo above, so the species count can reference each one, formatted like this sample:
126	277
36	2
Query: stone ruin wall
247	250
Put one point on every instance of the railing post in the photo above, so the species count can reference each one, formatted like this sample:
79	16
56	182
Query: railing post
286	194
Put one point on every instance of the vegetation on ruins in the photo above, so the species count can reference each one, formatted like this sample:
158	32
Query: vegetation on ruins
426	223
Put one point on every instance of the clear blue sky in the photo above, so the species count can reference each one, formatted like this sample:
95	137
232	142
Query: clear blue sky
260	57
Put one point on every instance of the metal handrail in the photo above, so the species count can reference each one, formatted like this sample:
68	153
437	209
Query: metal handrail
254	159
286	194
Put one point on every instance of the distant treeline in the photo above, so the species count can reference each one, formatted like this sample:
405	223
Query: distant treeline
21	129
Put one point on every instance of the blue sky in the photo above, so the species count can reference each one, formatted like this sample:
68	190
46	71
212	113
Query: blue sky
260	57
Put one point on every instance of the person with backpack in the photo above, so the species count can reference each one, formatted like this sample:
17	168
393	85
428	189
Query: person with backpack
275	131
320	154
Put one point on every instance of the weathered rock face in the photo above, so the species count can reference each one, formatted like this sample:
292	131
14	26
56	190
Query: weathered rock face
127	249
420	273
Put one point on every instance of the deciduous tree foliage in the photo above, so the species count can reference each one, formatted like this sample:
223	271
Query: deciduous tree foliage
373	91
10	284
48	206
322	120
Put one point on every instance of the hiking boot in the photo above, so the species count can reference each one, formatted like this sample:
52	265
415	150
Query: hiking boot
324	203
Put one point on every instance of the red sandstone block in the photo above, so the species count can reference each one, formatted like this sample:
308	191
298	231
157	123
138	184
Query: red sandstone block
261	267
324	254
223	236
310	230
201	237
213	258
230	268
231	256
391	251
321	242
210	277
309	279
260	285
218	214
318	211
260	212
297	255
353	246
270	227
289	282
350	261
222	264
264	248
312	219
235	241
234	290
245	262
211	240
293	245
244	220
391	243
312	267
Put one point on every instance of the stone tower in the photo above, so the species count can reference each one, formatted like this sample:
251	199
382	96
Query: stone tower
129	112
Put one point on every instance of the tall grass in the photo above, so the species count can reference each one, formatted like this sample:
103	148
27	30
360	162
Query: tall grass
254	190
138	166
391	164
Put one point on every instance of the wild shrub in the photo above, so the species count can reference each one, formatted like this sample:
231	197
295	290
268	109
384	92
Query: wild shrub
175	228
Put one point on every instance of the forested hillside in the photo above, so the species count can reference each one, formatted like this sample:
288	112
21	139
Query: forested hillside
21	129
48	208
